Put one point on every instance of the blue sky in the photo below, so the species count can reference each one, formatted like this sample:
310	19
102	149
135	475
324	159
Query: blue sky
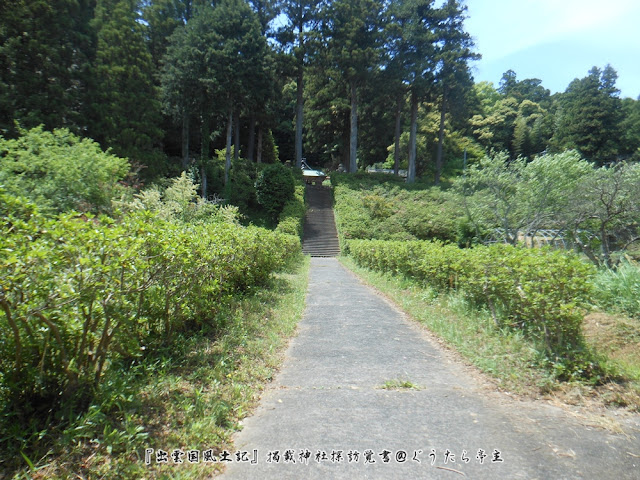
556	40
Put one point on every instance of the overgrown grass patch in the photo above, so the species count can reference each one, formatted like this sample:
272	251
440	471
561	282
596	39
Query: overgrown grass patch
618	338
618	290
188	395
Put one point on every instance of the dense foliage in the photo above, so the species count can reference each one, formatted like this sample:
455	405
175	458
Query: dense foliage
274	188
60	171
81	291
594	210
555	199
383	207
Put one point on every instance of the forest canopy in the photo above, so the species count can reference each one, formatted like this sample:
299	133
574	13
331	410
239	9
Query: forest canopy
166	83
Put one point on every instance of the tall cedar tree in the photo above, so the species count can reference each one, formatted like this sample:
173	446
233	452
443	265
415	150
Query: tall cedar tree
417	50
394	62
183	91
630	127
302	19
453	77
162	17
125	108
352	35
590	115
327	112
45	51
260	103
238	50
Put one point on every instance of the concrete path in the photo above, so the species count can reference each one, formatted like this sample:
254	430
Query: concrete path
326	416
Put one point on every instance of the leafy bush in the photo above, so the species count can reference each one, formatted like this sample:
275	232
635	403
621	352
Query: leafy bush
241	189
78	291
59	171
543	292
180	202
430	214
274	188
352	219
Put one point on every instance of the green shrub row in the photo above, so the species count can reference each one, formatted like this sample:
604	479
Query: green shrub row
78	291
542	291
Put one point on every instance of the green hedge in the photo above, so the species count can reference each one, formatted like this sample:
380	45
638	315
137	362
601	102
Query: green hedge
542	291
78	291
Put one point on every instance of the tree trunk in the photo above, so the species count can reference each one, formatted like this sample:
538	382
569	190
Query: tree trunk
353	139
185	141
205	133
260	135
439	155
227	164
203	181
236	138
344	151
252	137
299	116
300	92
396	152
604	246
411	175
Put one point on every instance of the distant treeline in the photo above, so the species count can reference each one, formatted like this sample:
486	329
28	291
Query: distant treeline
167	82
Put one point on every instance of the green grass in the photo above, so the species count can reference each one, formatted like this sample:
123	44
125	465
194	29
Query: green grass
396	384
619	290
190	394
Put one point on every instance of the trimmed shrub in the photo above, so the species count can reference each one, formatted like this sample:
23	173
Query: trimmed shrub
543	292
79	291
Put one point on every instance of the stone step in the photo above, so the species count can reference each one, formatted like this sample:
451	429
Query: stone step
320	234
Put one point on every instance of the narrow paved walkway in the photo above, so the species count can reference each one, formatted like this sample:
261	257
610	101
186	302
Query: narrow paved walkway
328	400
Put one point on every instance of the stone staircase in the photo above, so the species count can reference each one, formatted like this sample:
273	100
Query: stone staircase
320	234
